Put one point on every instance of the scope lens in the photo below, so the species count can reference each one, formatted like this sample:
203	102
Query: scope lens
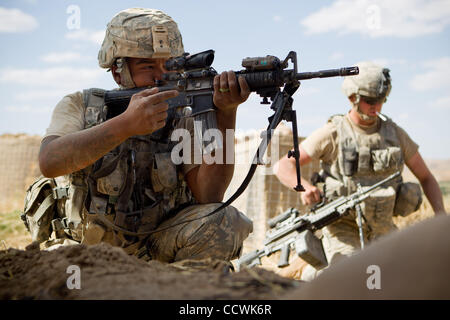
175	63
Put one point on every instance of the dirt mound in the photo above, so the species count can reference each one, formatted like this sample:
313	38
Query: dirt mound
108	273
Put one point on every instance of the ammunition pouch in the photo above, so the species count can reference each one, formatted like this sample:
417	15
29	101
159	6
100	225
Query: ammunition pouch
164	173
350	164
113	183
408	200
52	208
387	159
39	209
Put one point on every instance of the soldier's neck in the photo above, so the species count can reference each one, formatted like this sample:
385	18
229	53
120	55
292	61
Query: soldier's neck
356	119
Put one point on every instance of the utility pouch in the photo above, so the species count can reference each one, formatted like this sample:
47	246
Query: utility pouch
408	200
164	172
310	249
39	208
364	157
384	159
113	183
350	156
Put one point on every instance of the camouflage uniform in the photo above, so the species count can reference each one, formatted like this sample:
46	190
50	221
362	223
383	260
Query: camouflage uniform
136	188
364	159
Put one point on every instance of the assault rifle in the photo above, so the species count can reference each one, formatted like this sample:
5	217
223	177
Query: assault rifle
291	230
193	77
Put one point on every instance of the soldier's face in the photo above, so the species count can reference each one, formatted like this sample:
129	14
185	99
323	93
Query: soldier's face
146	71
370	109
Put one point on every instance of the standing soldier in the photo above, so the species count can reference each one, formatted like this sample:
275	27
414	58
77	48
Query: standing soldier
362	148
122	182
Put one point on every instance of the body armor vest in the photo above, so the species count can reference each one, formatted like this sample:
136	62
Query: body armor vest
366	159
135	185
131	189
362	158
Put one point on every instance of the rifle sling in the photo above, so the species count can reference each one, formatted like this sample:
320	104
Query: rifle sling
281	100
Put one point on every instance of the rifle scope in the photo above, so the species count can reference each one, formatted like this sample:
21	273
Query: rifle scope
188	62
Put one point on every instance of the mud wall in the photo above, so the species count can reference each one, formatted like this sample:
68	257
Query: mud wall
18	168
265	197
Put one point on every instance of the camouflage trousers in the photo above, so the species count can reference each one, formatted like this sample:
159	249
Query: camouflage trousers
218	236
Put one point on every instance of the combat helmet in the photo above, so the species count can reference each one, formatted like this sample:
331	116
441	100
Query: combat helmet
373	81
139	33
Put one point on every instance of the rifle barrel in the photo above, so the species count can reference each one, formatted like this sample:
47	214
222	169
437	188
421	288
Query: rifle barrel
347	71
281	217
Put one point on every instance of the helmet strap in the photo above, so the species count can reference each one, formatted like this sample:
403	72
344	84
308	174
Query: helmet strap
363	116
126	81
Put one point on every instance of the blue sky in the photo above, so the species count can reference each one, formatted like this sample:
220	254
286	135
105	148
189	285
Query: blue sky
45	54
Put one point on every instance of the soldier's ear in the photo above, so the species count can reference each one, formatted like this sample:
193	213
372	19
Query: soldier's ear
352	98
115	74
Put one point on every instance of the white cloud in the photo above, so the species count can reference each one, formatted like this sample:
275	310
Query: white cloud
59	57
42	88
15	20
86	35
60	77
381	18
436	76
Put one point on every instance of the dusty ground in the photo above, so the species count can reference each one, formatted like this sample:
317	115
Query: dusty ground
108	273
413	263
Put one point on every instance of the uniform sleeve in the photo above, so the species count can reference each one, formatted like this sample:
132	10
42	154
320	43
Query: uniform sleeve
408	146
321	144
67	117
